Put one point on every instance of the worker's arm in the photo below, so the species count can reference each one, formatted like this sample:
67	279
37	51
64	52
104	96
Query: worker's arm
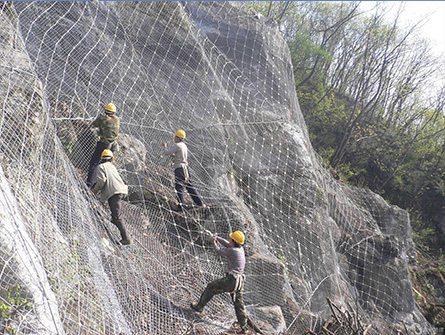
172	150
96	122
100	180
222	251
223	241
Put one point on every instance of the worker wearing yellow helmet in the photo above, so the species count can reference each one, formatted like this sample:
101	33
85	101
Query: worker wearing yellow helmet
108	125
113	190
182	173
233	282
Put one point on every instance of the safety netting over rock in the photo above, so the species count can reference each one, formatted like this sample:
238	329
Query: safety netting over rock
224	75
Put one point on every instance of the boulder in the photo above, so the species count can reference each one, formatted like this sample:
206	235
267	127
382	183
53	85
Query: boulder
269	319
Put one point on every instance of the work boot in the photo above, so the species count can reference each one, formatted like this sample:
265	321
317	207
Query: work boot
123	230
125	242
196	307
177	208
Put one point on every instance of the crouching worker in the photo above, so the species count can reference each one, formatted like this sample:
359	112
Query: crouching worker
233	282
113	189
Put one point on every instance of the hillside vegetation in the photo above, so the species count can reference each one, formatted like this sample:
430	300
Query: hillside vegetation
373	101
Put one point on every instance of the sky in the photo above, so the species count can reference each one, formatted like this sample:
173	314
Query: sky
432	11
432	27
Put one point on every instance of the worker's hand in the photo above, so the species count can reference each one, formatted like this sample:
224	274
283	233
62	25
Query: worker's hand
209	233
164	145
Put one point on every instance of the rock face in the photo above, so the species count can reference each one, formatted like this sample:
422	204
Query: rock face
272	319
225	77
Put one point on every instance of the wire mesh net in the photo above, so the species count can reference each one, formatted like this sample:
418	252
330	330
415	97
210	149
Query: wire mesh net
223	74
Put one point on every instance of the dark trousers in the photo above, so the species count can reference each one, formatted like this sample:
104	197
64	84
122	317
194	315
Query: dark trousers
116	217
222	285
94	162
181	184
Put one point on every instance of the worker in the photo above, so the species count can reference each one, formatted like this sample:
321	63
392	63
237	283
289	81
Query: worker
182	173
233	282
112	189
108	125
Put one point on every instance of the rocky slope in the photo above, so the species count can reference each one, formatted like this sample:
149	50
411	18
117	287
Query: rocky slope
225	77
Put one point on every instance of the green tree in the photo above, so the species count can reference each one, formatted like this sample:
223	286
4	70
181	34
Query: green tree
364	89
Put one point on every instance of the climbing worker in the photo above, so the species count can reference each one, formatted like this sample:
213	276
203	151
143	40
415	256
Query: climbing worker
113	189
108	125
182	173
233	282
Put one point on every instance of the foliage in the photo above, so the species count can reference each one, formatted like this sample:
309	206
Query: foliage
428	280
364	87
12	302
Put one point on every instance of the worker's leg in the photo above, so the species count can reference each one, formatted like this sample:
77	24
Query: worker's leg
179	185
195	196
94	162
116	217
240	310
193	193
218	286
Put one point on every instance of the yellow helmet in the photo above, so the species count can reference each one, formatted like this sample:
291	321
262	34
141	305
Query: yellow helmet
111	107
238	237
107	153
180	133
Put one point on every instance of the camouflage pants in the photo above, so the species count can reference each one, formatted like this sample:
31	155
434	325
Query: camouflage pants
222	285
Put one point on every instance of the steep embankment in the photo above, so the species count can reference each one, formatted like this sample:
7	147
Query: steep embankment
225	77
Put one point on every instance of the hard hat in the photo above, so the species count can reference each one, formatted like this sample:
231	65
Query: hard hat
238	237
180	133
111	107
107	153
